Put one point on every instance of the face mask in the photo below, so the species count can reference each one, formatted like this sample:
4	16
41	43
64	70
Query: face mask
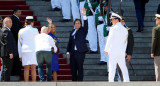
0	25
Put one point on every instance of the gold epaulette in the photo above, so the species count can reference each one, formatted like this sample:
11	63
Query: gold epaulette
128	28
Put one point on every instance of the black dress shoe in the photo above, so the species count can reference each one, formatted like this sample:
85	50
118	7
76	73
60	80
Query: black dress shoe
102	63
65	20
92	52
56	9
106	73
138	30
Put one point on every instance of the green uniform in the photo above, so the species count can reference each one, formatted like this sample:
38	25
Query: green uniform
94	5
130	44
156	41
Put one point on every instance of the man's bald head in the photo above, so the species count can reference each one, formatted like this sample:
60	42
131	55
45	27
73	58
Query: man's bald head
44	29
7	22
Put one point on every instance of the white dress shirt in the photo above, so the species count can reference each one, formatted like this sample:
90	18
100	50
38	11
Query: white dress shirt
44	42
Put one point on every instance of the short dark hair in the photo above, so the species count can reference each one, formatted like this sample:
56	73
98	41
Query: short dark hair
77	20
28	22
16	9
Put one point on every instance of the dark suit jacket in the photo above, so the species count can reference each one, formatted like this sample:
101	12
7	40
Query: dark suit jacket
16	26
130	44
158	10
79	41
8	45
156	41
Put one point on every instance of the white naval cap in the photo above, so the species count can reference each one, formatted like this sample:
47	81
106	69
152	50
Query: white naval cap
114	15
157	16
29	18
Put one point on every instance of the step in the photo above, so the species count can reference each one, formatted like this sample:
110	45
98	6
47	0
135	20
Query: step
104	67
134	61
93	72
13	2
64	24
54	19
10	12
11	7
22	18
135	34
59	77
137	50
48	14
41	7
37	3
132	78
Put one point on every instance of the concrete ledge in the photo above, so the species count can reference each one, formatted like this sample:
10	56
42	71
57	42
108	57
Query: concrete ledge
28	84
79	84
107	84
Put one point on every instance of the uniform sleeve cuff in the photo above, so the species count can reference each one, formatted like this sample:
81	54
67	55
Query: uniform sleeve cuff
85	17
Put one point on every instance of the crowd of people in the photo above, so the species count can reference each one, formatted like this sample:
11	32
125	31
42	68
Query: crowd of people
93	20
24	46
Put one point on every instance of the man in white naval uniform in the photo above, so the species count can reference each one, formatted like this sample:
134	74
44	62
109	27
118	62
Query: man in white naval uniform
56	5
116	47
67	5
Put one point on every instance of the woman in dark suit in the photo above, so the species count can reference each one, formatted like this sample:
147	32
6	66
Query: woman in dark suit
77	47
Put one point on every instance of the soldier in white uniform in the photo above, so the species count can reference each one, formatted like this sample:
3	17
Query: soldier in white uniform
26	48
116	47
67	5
102	34
91	5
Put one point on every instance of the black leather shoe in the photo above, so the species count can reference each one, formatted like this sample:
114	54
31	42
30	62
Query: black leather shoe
138	30
92	52
65	20
57	9
102	63
106	73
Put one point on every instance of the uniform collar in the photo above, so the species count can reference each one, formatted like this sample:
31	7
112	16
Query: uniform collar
118	23
29	26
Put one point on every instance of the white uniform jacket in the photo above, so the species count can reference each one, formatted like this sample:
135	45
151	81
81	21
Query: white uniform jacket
117	40
28	45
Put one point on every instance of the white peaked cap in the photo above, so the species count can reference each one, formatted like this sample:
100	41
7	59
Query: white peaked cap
29	18
114	15
157	15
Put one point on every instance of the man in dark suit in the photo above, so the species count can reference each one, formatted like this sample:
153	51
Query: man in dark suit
77	47
158	10
155	50
17	25
1	20
140	13
129	49
8	48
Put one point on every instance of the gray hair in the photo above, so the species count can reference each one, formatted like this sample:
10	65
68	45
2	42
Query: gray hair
6	19
44	29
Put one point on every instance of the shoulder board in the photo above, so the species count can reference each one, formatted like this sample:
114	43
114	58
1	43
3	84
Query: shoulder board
128	28
156	27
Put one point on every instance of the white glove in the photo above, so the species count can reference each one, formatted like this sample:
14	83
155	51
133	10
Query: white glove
100	18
